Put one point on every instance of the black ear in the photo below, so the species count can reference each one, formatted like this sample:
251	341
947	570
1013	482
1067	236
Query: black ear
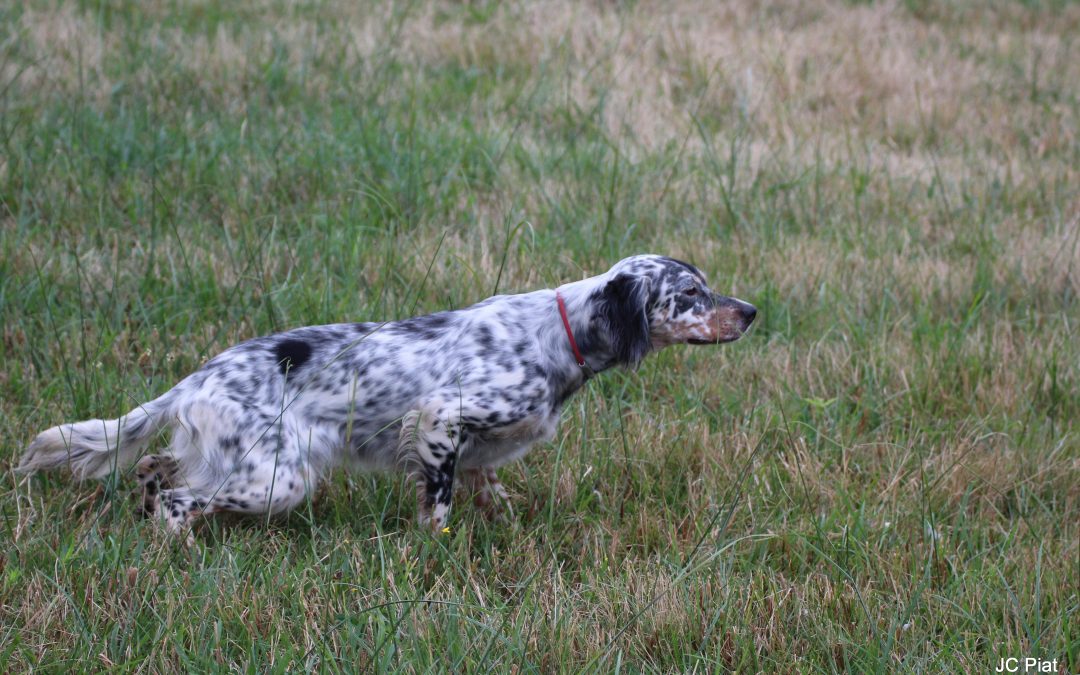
624	313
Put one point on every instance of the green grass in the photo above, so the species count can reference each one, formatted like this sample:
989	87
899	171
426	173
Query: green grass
885	475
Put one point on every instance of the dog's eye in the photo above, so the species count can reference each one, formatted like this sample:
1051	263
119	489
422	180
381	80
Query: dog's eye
690	291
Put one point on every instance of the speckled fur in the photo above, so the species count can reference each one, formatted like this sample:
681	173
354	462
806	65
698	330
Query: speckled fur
257	428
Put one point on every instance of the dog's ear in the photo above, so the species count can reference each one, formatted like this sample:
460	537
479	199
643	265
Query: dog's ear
624	313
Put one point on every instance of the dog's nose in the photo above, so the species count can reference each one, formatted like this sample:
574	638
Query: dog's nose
748	312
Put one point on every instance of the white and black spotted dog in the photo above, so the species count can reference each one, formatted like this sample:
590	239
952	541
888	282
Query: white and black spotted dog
258	426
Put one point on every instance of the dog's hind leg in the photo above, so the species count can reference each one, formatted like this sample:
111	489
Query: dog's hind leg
177	508
154	473
215	464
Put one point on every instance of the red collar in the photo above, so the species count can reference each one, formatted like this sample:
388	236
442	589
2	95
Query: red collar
569	333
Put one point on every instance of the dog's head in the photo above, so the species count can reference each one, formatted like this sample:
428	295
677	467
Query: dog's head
651	301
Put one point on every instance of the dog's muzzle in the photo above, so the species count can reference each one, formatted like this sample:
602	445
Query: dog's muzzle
731	319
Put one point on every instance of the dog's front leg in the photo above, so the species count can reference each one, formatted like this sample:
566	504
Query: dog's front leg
488	492
431	441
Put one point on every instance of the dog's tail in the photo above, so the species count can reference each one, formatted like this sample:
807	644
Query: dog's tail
96	448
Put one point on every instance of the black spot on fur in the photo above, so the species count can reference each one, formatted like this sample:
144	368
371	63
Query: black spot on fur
291	354
484	337
685	265
430	327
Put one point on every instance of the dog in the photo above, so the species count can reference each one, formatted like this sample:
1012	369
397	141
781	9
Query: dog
258	426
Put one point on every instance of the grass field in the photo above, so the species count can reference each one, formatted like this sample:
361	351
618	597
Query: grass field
883	476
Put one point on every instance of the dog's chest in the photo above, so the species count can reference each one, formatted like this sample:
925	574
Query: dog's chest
501	445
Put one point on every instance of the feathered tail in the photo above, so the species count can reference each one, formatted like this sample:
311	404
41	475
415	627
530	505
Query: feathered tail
95	448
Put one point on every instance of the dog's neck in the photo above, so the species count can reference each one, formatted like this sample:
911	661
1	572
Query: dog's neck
580	299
